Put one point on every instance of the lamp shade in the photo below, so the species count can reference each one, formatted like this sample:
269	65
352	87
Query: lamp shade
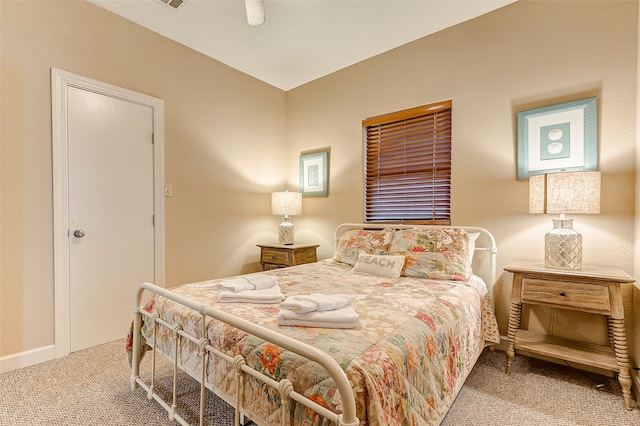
286	203
565	192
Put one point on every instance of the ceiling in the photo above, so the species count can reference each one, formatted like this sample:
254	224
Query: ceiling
302	40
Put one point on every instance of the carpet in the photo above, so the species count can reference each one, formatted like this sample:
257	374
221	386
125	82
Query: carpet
91	387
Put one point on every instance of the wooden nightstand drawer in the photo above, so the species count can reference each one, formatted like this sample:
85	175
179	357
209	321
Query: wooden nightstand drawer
586	297
305	255
276	257
270	266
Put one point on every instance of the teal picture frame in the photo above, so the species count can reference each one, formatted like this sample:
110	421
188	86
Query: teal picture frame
561	137
314	173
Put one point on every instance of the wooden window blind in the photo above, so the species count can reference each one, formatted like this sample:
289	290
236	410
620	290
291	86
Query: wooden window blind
408	166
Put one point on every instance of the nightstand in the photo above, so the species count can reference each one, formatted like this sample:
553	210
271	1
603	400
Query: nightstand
594	289
273	256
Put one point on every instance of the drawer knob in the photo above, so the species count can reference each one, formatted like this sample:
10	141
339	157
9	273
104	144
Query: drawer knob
273	258
562	293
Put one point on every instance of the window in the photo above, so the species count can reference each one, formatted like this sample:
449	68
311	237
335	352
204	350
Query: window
408	166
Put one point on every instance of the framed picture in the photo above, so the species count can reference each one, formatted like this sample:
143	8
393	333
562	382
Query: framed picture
558	137
314	173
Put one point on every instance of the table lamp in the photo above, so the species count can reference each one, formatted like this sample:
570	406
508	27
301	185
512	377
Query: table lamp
564	193
286	204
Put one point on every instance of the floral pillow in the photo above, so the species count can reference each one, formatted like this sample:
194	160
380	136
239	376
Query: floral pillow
441	254
362	240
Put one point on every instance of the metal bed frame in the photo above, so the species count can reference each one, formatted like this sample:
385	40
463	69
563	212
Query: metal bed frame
486	243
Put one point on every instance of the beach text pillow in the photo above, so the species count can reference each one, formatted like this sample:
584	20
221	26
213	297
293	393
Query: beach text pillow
379	266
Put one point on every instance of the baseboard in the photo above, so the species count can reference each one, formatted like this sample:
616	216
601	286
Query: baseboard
27	358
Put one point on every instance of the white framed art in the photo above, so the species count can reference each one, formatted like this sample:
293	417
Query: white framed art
558	137
314	173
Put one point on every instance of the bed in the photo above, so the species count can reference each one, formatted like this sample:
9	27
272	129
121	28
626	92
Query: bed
420	330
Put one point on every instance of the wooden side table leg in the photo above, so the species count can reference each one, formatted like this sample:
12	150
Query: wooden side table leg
515	316
616	327
612	342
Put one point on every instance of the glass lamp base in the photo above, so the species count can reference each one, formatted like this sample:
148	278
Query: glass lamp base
286	232
563	246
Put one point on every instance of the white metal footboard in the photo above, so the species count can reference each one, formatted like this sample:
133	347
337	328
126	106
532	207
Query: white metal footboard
284	387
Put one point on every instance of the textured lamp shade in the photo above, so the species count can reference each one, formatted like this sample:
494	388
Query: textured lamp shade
286	204
561	193
565	192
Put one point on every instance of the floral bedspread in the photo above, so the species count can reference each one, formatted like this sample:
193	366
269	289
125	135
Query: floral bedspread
417	343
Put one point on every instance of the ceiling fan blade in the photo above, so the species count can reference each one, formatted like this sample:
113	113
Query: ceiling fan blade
255	12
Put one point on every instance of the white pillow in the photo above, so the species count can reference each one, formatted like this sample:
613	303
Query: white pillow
379	266
472	245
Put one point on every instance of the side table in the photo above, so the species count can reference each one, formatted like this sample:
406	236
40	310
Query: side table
275	255
594	289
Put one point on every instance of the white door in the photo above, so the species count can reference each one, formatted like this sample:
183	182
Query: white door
111	213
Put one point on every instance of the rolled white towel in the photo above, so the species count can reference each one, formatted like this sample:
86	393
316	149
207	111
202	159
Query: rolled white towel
346	317
249	282
269	295
261	281
236	284
317	302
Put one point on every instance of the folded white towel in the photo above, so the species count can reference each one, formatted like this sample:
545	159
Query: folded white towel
317	302
346	317
265	296
249	282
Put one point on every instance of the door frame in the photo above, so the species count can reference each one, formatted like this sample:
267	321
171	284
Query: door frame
60	82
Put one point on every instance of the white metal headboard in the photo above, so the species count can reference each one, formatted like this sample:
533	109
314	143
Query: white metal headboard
486	244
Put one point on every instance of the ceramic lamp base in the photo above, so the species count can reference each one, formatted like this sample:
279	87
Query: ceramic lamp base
563	246
286	232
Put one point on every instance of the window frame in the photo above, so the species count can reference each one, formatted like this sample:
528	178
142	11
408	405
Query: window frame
392	143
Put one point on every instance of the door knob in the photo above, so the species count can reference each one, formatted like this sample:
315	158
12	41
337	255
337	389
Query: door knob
78	233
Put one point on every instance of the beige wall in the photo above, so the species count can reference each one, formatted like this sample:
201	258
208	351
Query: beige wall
224	136
525	55
636	257
528	54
